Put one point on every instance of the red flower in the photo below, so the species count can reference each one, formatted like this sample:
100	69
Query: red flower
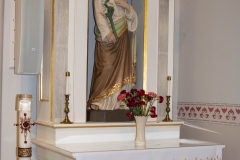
153	116
138	100
133	90
141	93
134	99
161	99
142	103
149	98
129	115
123	92
152	94
131	104
129	95
121	97
153	110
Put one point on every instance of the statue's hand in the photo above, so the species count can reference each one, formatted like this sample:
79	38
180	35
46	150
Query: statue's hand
111	38
124	4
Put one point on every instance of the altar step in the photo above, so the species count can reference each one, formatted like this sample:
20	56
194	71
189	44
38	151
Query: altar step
89	132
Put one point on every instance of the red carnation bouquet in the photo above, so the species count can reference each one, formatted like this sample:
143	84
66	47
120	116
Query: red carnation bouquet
140	103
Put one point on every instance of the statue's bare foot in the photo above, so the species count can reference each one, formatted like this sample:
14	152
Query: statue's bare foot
94	107
122	107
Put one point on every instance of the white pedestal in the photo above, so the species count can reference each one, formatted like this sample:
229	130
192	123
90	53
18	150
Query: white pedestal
115	141
55	133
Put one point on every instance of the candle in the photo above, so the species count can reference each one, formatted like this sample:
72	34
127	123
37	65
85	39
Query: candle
24	108
67	82
169	85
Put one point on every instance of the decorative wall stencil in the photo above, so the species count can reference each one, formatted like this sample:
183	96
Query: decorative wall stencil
214	112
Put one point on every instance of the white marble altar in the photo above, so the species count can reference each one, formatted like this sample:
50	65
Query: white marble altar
115	141
87	141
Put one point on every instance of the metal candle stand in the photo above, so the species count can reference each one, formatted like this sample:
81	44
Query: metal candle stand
167	118
66	110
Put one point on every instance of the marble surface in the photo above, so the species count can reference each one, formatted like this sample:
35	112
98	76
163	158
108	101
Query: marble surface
160	148
127	145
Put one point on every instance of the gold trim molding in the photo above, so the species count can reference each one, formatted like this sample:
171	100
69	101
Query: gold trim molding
41	87
114	89
52	66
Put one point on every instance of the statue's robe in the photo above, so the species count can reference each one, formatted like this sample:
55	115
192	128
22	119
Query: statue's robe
114	63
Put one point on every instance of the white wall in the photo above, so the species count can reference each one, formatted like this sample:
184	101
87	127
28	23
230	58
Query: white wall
12	85
209	51
209	63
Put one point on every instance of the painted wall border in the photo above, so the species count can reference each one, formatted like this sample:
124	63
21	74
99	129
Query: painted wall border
221	113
